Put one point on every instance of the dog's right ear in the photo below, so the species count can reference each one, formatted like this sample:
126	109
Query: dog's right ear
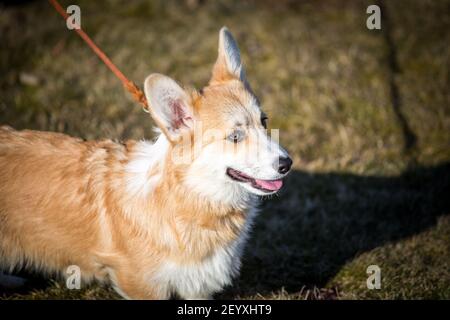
169	105
228	64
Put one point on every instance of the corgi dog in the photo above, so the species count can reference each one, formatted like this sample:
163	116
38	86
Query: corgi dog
155	220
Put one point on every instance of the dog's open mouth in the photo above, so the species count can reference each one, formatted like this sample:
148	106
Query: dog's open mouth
264	185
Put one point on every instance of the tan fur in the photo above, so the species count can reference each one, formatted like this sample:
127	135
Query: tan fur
62	202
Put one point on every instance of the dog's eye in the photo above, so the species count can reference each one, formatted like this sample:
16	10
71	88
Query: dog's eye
264	121
236	136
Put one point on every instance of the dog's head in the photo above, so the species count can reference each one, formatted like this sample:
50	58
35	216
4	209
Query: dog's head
221	128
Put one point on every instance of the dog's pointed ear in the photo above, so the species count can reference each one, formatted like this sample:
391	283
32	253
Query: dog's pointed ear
170	106
228	65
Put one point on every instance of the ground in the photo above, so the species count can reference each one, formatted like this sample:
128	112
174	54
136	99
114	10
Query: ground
364	113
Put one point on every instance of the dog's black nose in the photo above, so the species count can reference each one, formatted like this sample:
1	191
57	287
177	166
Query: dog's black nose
284	164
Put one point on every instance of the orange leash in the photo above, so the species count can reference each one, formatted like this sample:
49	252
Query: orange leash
128	84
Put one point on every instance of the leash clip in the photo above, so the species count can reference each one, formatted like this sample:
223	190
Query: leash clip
145	109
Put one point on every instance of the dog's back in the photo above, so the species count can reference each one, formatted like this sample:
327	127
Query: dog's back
44	221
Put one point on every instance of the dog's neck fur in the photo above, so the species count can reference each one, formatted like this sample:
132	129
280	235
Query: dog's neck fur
156	186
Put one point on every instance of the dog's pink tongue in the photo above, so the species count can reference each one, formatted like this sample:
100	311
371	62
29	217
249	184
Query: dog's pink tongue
272	185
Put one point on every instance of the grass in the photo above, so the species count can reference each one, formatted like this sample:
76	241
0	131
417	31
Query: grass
365	115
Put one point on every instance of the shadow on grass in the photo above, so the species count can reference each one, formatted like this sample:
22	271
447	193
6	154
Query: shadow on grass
324	220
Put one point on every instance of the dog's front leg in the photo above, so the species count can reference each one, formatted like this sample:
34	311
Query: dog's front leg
131	285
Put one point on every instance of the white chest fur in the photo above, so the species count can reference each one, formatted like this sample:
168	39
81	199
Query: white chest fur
202	279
